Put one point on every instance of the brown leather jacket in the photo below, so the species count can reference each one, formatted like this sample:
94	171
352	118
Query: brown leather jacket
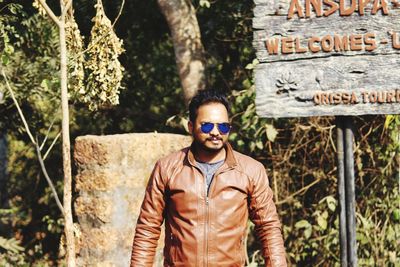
207	230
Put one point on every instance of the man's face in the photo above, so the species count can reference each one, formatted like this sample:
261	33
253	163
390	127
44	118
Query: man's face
214	140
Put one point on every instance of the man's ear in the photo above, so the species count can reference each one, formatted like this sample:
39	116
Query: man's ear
190	127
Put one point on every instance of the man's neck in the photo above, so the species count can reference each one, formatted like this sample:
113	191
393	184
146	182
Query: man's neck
209	156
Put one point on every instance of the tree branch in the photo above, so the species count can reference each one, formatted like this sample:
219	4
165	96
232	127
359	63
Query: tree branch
119	13
36	144
53	189
18	108
49	12
289	198
51	146
66	8
47	134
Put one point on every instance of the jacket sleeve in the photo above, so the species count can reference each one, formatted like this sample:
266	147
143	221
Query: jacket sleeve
149	223
263	214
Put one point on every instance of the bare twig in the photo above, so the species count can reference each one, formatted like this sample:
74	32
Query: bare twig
333	144
302	190
53	189
274	178
66	8
363	138
4	7
119	13
49	12
51	146
47	134
18	108
253	258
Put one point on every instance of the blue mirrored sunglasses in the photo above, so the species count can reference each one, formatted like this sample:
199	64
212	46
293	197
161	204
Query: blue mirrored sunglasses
223	128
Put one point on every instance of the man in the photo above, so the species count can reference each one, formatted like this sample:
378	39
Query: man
206	193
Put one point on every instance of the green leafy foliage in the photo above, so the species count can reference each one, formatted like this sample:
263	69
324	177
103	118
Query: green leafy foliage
250	132
379	195
9	37
11	244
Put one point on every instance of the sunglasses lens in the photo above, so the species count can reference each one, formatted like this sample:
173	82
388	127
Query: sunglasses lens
224	128
207	127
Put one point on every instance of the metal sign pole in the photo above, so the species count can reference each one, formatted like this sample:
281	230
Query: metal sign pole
346	191
341	192
350	193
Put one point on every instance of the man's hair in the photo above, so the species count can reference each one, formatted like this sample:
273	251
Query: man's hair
205	97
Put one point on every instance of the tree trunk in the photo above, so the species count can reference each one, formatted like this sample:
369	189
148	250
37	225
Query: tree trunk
66	147
189	51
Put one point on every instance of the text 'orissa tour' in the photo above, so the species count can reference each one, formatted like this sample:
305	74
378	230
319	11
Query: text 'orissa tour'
373	97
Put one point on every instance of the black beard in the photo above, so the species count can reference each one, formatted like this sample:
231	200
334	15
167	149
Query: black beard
208	150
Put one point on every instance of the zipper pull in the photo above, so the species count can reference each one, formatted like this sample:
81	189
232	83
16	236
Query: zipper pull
207	201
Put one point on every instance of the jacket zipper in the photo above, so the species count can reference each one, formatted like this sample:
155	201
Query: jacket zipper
206	230
207	190
206	219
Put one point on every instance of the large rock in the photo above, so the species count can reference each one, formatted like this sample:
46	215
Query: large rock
112	172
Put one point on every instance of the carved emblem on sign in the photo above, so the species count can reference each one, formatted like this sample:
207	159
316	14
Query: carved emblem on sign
286	84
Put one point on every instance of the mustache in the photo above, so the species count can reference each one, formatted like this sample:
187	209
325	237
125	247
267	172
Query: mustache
213	138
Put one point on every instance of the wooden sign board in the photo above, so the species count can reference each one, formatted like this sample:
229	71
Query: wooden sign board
327	57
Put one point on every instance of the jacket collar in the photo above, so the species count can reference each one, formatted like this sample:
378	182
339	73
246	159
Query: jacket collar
230	159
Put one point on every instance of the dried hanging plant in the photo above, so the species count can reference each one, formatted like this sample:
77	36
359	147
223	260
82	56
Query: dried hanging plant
99	62
103	67
76	60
